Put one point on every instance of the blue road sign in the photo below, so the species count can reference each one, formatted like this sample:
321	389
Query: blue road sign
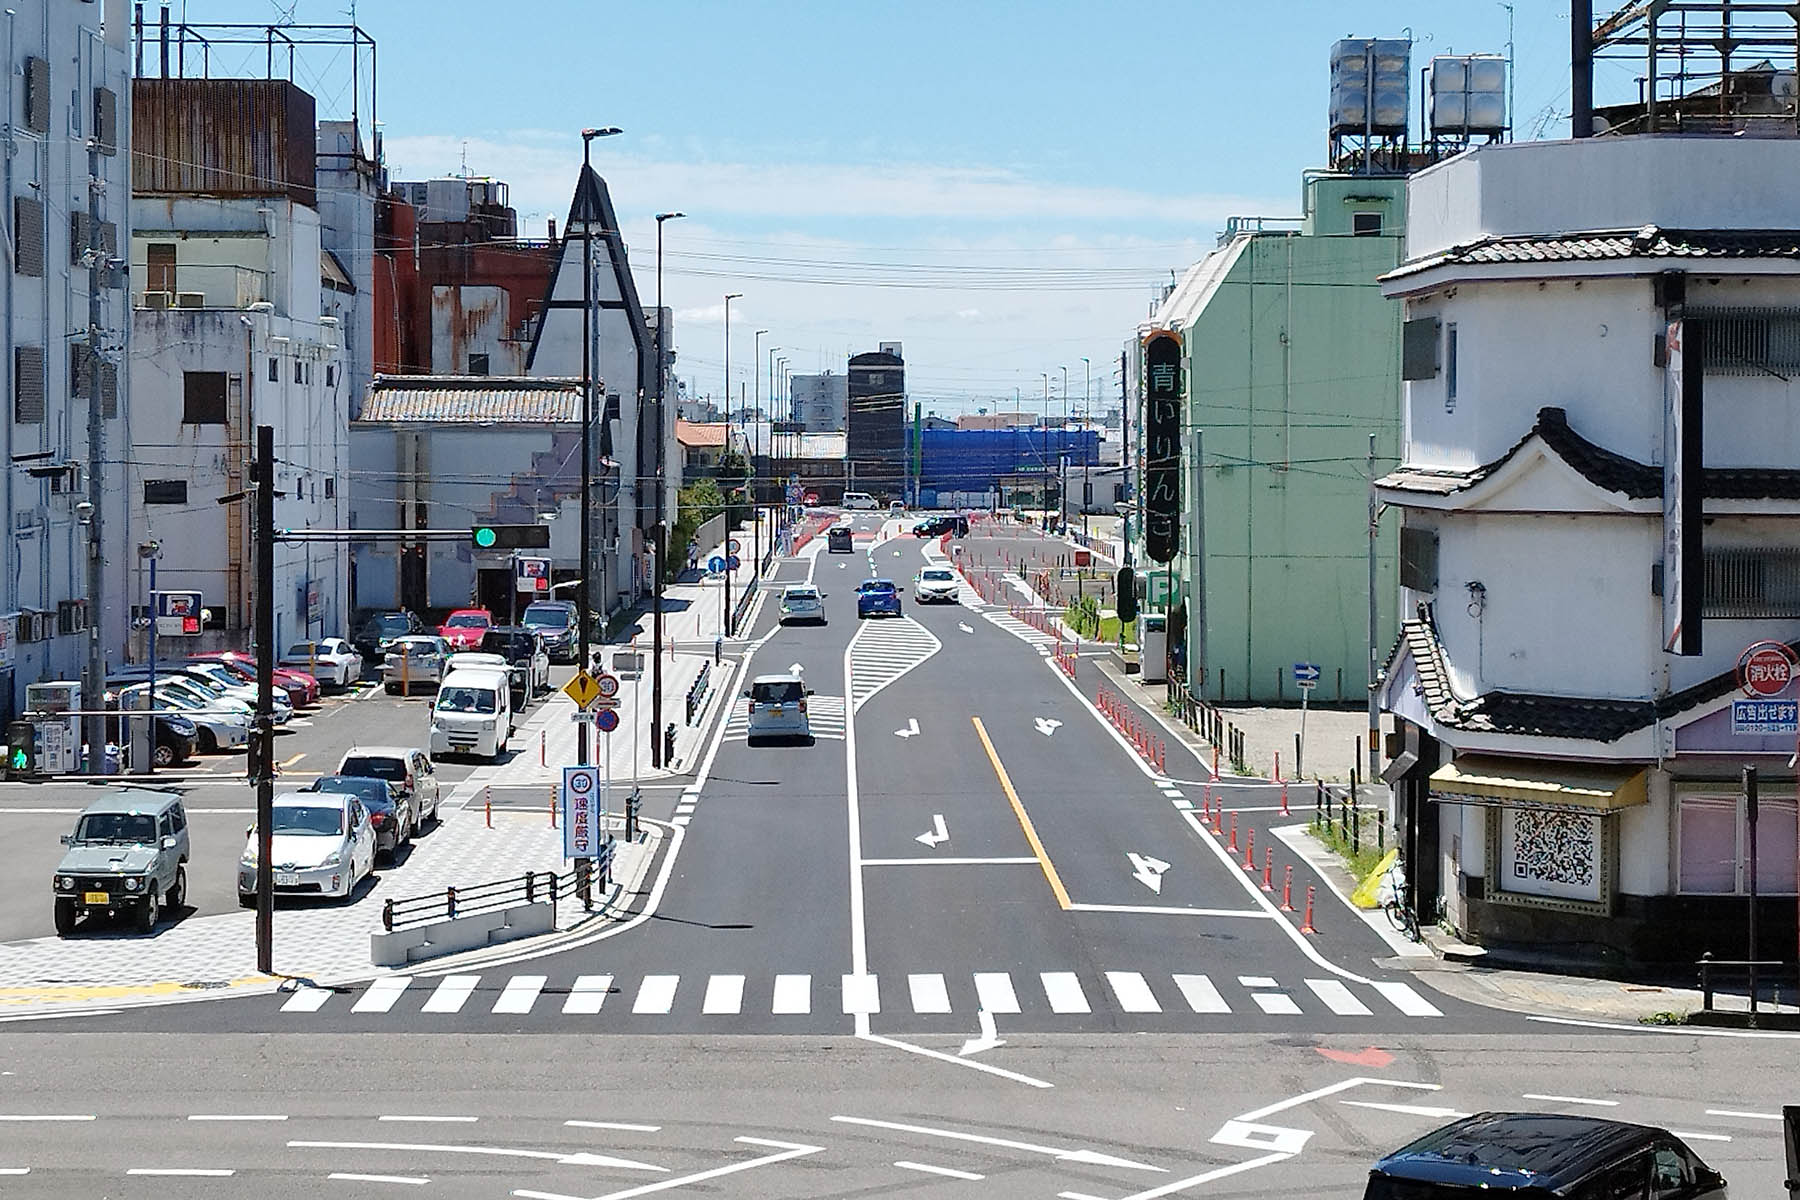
732	562
1306	674
715	564
606	720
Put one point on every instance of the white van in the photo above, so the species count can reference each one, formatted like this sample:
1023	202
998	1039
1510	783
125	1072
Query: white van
473	713
860	500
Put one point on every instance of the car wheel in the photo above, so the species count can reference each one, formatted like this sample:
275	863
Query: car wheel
246	900
146	914
177	897
65	916
208	743
392	689
163	755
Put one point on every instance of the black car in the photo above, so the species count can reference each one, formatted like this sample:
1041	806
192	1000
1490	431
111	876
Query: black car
555	622
932	527
1544	1155
374	634
390	812
176	736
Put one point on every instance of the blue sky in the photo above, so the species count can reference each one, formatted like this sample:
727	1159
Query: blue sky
998	185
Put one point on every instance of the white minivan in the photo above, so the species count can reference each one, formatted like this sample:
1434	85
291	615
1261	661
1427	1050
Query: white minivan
860	500
472	713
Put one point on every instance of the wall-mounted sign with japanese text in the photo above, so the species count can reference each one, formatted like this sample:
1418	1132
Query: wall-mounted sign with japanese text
1683	384
1162	444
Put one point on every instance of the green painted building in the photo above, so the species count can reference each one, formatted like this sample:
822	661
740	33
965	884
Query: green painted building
1292	361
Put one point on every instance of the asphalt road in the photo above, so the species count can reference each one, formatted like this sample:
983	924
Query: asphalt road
797	1118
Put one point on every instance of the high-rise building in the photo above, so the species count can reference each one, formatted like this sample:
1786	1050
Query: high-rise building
876	420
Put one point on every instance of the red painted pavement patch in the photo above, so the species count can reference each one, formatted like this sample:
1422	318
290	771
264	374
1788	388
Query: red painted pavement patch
1374	1056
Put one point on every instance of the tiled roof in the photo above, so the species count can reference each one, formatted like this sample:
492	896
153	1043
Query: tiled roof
701	433
1603	468
472	400
1648	242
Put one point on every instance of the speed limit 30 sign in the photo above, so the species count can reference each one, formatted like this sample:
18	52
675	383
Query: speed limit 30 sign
581	812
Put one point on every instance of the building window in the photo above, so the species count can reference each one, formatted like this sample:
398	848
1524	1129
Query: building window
106	121
37	95
1714	845
1756	583
1450	367
28	385
1418	558
28	235
165	491
330	487
274	370
1365	224
1419	348
161	259
203	397
330	374
478	364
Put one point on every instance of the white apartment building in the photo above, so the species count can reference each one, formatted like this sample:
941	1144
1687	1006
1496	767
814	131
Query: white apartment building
67	82
232	329
821	402
1562	781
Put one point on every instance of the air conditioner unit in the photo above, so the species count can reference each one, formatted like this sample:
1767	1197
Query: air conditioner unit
190	299
156	300
67	480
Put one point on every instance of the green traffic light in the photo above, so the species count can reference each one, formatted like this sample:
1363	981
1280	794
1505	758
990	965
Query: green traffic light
485	537
19	760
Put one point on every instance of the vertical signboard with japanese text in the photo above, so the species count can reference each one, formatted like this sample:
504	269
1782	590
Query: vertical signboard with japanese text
1162	444
1682	580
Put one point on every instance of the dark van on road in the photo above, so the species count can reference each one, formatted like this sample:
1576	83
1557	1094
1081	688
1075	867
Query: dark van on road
838	540
1544	1155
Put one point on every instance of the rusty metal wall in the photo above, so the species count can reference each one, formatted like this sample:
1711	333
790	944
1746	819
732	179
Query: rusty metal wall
222	137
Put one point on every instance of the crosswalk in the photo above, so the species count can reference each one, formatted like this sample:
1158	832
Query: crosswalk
1045	994
825	714
884	649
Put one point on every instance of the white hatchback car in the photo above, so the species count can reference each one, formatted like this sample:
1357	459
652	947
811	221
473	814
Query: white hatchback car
802	604
332	660
322	844
935	584
778	708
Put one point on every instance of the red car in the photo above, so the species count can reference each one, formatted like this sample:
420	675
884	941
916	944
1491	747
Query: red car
302	689
464	627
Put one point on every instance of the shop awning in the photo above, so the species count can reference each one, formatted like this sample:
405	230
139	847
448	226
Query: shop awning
1525	783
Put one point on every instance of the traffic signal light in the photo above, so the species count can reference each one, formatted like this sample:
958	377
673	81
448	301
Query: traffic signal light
511	537
21	748
1126	593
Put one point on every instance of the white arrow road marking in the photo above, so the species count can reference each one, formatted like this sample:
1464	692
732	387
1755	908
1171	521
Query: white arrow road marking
987	1040
582	1159
911	730
965	627
1148	871
1047	725
796	669
1061	1154
937	834
784	1151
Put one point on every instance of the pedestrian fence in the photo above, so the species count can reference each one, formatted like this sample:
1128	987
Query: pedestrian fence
1208	720
534	887
696	695
1338	812
1717	972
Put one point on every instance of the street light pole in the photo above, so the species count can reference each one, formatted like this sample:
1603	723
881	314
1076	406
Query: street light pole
754	438
1062	458
730	522
1087	454
660	532
1044	451
584	595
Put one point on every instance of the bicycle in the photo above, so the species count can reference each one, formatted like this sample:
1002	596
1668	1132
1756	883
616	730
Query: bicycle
1399	915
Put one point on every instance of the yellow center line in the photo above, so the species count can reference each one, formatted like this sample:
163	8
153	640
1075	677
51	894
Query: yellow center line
1037	847
288	762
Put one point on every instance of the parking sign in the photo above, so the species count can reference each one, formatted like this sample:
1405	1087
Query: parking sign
581	812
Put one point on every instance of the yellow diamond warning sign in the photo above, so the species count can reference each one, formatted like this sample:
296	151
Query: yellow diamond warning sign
582	690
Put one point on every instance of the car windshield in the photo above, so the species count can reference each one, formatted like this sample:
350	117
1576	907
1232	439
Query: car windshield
778	691
309	819
303	650
375	766
801	594
392	623
467	621
116	827
937	576
234	670
416	649
372	792
548	618
878	585
501	642
466	700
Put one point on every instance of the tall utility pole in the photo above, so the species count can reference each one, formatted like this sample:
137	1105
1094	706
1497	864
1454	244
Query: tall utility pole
584	591
1062	458
94	685
1087	455
1196	597
1044	450
262	732
660	540
1128	454
755	440
1374	750
730	519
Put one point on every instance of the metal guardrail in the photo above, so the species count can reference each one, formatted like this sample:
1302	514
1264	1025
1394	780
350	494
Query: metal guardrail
696	695
743	605
531	888
1751	971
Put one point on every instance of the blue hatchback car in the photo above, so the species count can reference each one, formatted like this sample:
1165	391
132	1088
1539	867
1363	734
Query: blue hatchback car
877	596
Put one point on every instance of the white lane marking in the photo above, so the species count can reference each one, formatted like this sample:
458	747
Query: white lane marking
784	1152
947	862
380	996
15	1170
624	1125
656	994
307	999
1701	1137
588	994
1277	1003
1200	994
1734	1112
724	995
929	995
1061	1154
1402	997
1583	1100
237	1117
1338	998
1257	981
1173	910
578	1159
352	1177
451	994
937	833
1147	870
994	991
793	995
1063	990
1133	993
520	993
1410	1110
681	820
426	1119
1685	1030
44	1117
862	996
185	1172
946	1172
1185	805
